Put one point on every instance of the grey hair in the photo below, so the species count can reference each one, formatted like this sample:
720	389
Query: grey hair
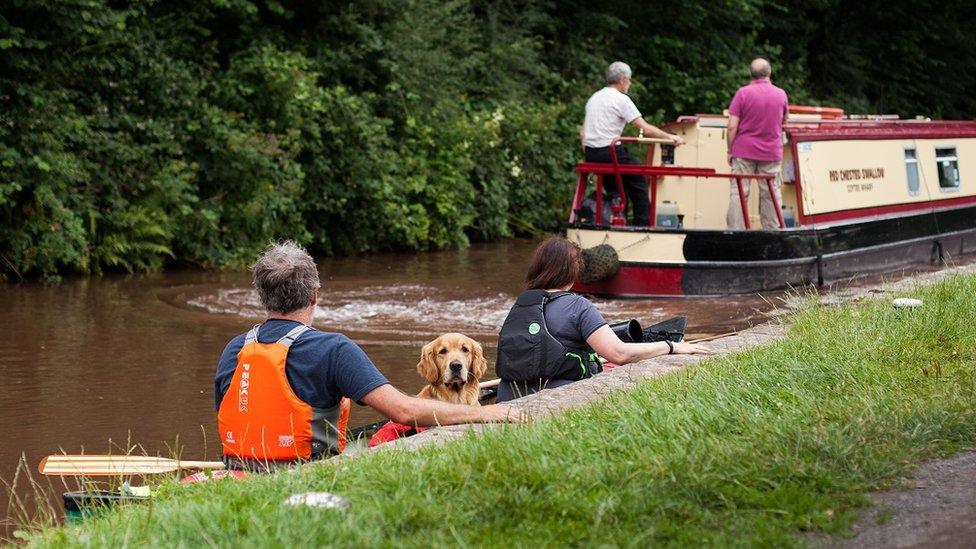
759	68
617	71
285	277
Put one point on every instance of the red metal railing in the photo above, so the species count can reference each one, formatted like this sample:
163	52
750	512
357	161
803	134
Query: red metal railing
654	174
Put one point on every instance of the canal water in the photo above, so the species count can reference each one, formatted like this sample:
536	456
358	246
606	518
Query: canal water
119	362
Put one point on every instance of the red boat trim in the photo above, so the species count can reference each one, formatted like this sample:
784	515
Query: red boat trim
637	280
875	211
654	172
827	113
880	130
640	169
702	264
800	217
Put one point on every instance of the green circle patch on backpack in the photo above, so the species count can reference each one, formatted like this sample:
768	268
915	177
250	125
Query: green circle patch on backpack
534	328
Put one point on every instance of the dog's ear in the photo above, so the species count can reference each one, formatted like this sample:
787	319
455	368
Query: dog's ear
478	362
427	367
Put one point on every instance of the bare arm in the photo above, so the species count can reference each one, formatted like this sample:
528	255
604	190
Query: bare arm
608	345
732	131
654	131
411	410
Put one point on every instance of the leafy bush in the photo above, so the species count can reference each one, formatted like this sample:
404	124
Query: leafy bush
135	135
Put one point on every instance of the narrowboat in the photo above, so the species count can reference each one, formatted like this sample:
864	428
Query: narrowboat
861	195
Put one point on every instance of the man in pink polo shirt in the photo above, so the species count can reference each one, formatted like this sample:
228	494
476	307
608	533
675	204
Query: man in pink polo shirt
756	117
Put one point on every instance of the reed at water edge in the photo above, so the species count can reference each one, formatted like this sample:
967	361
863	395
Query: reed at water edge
757	448
35	503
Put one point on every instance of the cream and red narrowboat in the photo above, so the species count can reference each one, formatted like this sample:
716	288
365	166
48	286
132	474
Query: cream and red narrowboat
860	195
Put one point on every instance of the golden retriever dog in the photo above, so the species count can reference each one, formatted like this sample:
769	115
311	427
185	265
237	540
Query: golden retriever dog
452	364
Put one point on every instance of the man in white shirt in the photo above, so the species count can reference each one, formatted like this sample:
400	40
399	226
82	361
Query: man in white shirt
607	112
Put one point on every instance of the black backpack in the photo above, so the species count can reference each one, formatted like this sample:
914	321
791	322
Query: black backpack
528	352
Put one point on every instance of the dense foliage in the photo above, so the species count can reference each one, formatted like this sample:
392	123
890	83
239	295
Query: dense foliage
139	134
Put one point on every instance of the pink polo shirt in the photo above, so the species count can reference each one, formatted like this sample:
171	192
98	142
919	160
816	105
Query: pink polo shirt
760	107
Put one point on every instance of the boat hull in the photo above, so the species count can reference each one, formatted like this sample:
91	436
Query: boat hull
660	262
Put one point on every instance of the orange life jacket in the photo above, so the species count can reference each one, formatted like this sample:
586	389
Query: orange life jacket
261	419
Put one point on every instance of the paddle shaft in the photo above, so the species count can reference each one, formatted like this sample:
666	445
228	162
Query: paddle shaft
712	337
113	465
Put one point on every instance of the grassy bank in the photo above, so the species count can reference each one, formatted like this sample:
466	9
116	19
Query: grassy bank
754	449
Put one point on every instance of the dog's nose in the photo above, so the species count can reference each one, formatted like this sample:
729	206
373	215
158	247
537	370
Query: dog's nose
456	367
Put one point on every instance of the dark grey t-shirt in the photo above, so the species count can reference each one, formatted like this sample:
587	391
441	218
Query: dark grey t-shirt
571	319
321	367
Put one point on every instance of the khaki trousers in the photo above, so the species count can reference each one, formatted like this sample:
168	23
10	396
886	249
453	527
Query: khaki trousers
767	211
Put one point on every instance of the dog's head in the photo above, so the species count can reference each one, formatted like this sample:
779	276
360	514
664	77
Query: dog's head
452	360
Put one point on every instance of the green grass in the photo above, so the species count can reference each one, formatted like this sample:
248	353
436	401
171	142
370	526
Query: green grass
752	449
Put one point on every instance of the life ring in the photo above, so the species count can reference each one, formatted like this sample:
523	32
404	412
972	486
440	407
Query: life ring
827	113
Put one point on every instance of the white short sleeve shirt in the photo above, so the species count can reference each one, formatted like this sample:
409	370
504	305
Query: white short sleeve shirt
607	112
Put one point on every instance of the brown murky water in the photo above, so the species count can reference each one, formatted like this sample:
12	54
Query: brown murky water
119	361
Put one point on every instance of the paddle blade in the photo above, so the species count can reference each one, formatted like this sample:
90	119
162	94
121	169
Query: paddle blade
672	329
109	465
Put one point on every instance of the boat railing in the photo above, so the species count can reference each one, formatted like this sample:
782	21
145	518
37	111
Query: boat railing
654	175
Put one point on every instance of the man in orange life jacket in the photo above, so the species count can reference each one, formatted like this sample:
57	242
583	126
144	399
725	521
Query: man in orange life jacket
283	388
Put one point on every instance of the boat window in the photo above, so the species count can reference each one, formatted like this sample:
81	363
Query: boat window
947	163
911	169
667	155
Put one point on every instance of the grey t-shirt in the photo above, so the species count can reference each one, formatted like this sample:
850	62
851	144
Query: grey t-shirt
571	319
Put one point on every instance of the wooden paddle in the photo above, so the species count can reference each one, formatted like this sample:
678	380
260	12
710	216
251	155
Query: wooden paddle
712	337
108	465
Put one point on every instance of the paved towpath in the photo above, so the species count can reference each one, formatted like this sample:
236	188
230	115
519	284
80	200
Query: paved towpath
936	509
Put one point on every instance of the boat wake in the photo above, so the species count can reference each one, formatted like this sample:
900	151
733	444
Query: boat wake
400	308
404	309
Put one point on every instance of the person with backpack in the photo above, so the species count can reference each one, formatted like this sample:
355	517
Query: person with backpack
553	337
283	389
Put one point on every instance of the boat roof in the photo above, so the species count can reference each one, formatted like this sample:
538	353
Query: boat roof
806	127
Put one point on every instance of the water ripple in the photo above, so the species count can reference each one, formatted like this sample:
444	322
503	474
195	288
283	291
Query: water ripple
401	307
404	308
